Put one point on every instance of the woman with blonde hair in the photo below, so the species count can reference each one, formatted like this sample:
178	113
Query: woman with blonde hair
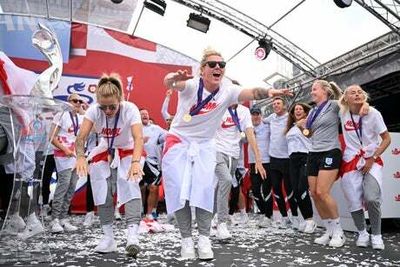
322	127
366	138
189	152
298	148
116	160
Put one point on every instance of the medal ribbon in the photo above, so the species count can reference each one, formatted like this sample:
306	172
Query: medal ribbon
75	124
235	117
110	144
314	114
201	103
359	128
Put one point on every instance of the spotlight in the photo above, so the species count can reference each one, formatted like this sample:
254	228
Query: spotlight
198	22
263	49
157	6
117	1
343	3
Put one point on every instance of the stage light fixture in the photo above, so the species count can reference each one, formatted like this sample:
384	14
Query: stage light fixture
117	1
343	3
198	22
263	49
157	6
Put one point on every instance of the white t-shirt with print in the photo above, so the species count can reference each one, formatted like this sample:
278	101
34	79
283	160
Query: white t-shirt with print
203	126
129	115
228	136
372	126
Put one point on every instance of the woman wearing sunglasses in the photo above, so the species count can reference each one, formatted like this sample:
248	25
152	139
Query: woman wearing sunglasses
65	128
189	153
116	160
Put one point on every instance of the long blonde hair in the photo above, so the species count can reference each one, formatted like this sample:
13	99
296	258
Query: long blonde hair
333	90
110	85
344	105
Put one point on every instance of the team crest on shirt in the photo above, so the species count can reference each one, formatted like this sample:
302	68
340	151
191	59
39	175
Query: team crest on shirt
328	161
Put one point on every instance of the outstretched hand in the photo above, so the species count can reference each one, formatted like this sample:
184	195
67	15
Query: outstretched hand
181	75
279	92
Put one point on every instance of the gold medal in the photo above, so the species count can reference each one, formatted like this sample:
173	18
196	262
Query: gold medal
306	132
187	118
242	135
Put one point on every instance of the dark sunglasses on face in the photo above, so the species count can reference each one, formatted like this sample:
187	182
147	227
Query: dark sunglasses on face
75	101
213	64
111	107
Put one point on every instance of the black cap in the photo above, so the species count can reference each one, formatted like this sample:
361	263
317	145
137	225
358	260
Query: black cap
255	110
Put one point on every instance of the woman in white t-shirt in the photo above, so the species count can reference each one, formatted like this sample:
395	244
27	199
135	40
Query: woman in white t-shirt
189	152
118	157
366	138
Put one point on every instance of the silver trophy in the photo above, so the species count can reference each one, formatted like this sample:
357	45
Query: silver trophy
46	41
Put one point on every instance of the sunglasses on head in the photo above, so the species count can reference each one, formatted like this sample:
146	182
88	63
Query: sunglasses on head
213	64
76	101
110	107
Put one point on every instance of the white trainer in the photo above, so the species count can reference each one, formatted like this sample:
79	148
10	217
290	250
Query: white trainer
363	239
223	232
310	226
243	218
107	243
214	221
15	224
33	227
264	222
295	222
56	227
187	248
204	248
377	242
132	245
117	215
89	219
338	239
285	223
324	239
68	227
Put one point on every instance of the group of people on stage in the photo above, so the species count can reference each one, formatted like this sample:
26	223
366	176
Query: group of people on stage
202	158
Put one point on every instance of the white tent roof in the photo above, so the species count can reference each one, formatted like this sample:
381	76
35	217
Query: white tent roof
320	30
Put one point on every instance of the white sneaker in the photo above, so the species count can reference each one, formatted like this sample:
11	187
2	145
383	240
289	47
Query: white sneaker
233	220
33	227
285	223
302	226
56	226
15	224
117	215
132	245
310	226
324	239
363	239
377	242
68	227
155	227
107	243
204	248
187	248
295	222
338	239
89	218
264	222
223	232
44	212
243	218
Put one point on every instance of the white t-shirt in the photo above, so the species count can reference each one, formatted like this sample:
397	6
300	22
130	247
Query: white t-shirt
66	136
278	147
372	126
262	133
296	141
129	115
156	136
228	136
202	127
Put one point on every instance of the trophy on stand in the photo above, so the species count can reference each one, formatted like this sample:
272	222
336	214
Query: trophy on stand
23	236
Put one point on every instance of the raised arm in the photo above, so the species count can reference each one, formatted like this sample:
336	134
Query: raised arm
258	93
176	80
164	107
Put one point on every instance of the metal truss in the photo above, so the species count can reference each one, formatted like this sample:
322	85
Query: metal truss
256	30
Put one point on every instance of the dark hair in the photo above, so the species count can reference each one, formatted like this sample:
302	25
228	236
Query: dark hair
291	118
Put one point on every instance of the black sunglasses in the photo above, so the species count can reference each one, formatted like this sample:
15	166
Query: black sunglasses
213	64
76	101
110	107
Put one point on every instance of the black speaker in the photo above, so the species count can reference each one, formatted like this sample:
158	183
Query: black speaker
343	3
